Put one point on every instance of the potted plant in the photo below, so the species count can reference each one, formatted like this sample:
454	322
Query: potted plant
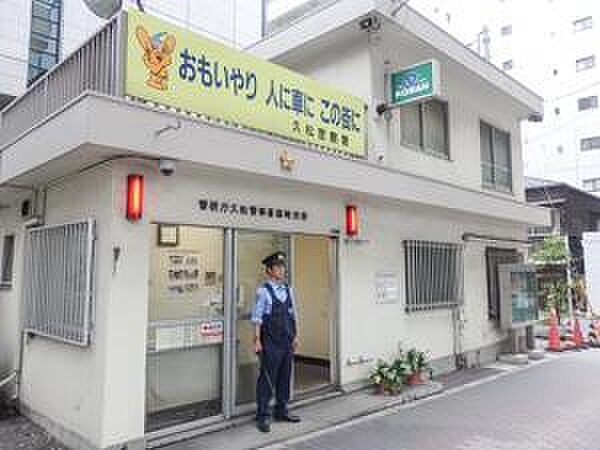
401	371
417	364
388	378
380	375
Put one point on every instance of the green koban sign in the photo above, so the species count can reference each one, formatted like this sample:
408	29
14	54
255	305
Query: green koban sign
414	83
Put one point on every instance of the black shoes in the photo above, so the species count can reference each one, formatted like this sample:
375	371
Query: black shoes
288	418
263	426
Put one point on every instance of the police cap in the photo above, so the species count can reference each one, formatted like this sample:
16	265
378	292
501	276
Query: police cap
277	258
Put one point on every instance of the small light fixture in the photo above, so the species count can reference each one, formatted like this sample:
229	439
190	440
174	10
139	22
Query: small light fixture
352	224
287	161
135	197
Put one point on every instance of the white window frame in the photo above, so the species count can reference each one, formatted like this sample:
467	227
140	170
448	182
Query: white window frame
494	185
586	63
585	23
589	144
421	146
506	30
587	103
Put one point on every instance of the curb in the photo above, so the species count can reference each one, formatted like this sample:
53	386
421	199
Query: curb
415	393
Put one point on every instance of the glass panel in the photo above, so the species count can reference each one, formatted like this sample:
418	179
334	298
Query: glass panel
502	160
435	126
410	125
186	326
252	248
524	297
487	159
44	37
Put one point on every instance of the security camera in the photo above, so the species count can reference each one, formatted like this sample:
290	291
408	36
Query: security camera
167	167
370	24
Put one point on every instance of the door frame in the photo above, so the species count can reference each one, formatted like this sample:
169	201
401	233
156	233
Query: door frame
230	296
334	331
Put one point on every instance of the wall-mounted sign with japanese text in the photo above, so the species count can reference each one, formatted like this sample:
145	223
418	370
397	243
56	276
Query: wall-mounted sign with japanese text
172	66
415	83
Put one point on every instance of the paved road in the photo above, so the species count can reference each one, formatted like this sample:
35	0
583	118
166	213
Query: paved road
553	406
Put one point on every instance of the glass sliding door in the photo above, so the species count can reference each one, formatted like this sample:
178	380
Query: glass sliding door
186	329
251	248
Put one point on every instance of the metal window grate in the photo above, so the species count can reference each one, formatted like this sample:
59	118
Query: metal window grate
434	275
58	281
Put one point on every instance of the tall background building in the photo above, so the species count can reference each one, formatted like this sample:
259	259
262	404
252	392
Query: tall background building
36	34
552	47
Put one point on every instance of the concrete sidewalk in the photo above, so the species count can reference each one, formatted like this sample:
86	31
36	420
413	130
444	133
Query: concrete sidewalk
323	414
315	415
18	432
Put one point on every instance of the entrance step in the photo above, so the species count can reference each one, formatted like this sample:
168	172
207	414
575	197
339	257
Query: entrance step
517	359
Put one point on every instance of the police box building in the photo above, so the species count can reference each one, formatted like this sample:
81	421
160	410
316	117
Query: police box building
144	179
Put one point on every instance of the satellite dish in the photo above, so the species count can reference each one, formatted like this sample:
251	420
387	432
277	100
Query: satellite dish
104	8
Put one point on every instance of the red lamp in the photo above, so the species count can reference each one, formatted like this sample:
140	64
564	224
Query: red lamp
135	197
352	223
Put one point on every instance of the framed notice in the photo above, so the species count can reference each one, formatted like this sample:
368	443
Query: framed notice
168	235
387	289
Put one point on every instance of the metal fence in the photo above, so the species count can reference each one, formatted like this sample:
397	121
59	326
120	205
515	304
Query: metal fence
95	66
58	281
434	275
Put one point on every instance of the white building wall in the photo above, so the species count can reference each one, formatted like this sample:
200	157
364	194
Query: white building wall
80	370
358	67
11	223
384	328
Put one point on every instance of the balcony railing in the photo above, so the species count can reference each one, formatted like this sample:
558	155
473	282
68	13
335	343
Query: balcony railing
95	66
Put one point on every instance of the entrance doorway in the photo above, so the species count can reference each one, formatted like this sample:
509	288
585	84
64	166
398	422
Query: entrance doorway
200	354
312	277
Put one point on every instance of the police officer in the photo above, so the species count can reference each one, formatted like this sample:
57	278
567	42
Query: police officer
275	340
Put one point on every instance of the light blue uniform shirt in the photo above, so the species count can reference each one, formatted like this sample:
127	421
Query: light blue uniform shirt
264	302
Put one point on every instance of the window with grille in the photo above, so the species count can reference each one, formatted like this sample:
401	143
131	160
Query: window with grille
591	185
585	103
8	256
506	30
58	281
496	160
583	24
494	257
591	143
589	62
434	275
424	126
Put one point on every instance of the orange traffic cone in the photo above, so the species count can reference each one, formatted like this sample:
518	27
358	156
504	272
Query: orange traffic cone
578	335
595	340
554	334
597	328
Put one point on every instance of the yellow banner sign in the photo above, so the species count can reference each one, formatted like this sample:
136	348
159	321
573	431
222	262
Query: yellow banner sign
172	66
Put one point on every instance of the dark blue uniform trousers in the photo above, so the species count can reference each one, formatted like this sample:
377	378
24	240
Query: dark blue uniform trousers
276	363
